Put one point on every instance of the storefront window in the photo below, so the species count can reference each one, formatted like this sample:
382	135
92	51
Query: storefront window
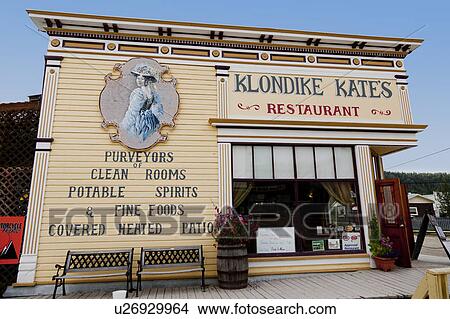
263	162
324	163
327	213
283	162
304	201
305	162
242	162
344	162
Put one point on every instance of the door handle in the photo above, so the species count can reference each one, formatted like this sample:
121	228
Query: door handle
402	225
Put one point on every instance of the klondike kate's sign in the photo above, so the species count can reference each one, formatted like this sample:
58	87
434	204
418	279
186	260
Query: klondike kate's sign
313	98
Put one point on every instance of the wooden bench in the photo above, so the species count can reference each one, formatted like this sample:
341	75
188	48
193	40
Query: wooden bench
189	258
113	263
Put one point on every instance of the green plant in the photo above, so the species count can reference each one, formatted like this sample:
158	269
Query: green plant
374	228
230	228
382	247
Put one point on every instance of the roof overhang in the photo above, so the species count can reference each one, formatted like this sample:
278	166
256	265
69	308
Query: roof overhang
54	22
414	196
382	138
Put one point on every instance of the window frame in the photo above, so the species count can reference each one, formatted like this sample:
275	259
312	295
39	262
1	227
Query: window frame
295	162
414	208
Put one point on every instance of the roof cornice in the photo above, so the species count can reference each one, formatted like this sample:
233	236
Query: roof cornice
119	27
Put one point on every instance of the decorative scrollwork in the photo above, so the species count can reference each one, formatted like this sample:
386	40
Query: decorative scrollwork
381	112
249	107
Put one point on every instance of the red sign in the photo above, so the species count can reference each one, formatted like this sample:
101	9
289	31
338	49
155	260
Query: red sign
11	231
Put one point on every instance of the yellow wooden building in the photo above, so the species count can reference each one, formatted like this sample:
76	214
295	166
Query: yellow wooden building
265	120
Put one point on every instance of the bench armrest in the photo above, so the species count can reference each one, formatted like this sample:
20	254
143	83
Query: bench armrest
58	268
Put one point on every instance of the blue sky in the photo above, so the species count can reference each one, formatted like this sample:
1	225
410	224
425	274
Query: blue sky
23	48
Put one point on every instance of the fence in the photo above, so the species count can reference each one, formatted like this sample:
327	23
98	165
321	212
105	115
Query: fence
18	131
444	222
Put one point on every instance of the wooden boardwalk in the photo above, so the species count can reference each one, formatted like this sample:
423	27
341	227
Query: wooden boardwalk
400	283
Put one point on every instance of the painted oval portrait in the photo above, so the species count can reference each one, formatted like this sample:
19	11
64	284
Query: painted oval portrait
138	102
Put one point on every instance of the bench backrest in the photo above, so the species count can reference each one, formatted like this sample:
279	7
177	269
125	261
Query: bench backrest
78	261
171	257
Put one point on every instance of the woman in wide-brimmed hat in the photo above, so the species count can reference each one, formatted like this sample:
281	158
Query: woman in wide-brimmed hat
144	109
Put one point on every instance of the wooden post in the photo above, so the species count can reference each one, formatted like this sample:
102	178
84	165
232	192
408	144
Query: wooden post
421	290
437	280
433	285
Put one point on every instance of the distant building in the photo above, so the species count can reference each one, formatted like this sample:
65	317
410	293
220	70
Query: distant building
34	102
423	204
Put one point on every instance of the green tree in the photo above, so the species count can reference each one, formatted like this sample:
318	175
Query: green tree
421	183
443	197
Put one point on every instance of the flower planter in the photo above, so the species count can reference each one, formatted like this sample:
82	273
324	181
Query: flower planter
232	266
385	264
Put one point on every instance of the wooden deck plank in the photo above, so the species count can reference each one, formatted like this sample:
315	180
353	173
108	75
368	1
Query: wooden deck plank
392	287
160	293
301	288
285	288
400	282
239	293
273	293
211	292
391	282
176	293
168	293
226	293
183	293
308	287
107	295
196	293
152	292
363	289
251	293
261	291
324	290
191	293
347	287
376	288
91	295
336	288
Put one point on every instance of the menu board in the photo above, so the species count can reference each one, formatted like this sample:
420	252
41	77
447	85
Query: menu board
428	218
272	240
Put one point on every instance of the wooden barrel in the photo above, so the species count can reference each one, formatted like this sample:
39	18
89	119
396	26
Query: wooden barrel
232	266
